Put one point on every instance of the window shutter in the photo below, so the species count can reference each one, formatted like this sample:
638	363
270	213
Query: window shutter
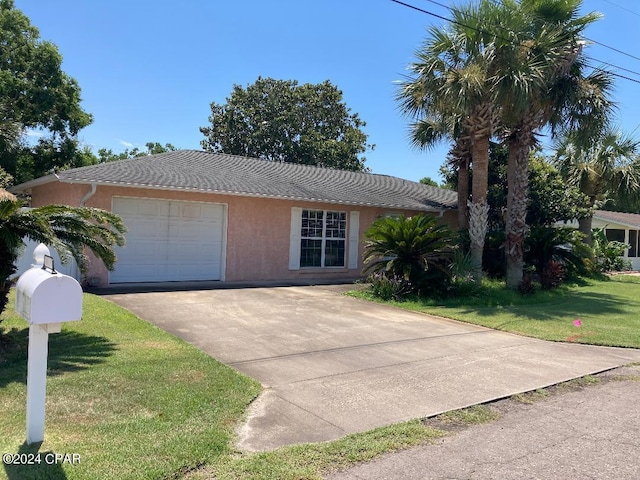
354	238
294	238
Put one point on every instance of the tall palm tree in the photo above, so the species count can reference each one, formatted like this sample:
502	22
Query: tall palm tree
453	83
608	166
545	64
67	229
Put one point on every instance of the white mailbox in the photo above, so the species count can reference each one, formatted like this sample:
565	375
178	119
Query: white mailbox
44	298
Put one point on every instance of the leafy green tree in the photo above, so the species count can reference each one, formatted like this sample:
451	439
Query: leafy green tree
609	166
67	229
35	94
417	250
107	155
550	200
282	121
429	181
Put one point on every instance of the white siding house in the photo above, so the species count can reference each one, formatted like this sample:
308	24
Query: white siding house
621	227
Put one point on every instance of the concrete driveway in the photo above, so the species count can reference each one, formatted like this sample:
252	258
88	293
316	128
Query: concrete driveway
333	365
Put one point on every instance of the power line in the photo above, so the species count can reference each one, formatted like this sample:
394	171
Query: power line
611	48
499	1
634	80
455	22
615	66
621	7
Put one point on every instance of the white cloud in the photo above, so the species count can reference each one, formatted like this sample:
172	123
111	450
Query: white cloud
126	144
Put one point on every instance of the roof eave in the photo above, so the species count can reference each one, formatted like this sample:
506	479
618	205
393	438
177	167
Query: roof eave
27	186
618	222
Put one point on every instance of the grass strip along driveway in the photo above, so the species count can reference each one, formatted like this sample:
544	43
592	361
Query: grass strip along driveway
135	402
595	312
129	399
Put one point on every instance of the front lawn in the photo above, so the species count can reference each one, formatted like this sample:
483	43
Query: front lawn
135	402
608	310
131	400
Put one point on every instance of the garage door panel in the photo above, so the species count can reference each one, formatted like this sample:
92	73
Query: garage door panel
143	252
144	227
212	212
169	241
191	211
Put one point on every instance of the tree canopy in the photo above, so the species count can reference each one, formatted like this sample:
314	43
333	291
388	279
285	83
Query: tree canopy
503	70
282	121
107	155
37	96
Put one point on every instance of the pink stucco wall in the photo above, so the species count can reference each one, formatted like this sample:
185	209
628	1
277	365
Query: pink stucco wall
258	229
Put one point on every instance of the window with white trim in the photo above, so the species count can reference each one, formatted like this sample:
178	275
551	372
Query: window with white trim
323	238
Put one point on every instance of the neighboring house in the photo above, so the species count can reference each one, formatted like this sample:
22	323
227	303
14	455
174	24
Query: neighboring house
195	215
621	227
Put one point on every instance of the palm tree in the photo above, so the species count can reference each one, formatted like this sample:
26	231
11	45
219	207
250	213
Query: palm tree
67	229
545	66
609	166
451	91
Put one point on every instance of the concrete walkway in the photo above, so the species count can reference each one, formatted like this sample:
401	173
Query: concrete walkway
333	365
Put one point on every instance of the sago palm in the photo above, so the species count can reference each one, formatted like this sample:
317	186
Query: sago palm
67	229
418	250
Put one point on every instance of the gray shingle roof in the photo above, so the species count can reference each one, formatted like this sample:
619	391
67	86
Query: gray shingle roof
192	170
629	219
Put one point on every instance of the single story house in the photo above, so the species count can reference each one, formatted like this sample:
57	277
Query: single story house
621	227
195	215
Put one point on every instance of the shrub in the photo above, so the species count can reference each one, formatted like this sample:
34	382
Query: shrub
417	250
552	275
609	254
388	287
563	245
526	286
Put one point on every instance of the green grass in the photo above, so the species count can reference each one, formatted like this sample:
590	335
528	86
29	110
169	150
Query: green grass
609	311
133	401
311	461
474	415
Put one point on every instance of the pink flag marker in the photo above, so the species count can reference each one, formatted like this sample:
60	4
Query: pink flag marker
577	322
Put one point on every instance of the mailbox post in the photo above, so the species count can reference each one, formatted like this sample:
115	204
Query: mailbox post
45	299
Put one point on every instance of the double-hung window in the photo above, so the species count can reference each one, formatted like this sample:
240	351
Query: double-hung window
323	238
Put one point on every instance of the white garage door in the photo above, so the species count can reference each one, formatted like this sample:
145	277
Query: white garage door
169	241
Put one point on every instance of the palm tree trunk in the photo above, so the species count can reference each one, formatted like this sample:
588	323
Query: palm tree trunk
461	155
585	226
479	209
516	224
463	194
520	141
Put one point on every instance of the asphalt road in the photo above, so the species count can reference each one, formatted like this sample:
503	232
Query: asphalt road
588	433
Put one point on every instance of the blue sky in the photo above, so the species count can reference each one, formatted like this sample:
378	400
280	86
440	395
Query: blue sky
149	69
